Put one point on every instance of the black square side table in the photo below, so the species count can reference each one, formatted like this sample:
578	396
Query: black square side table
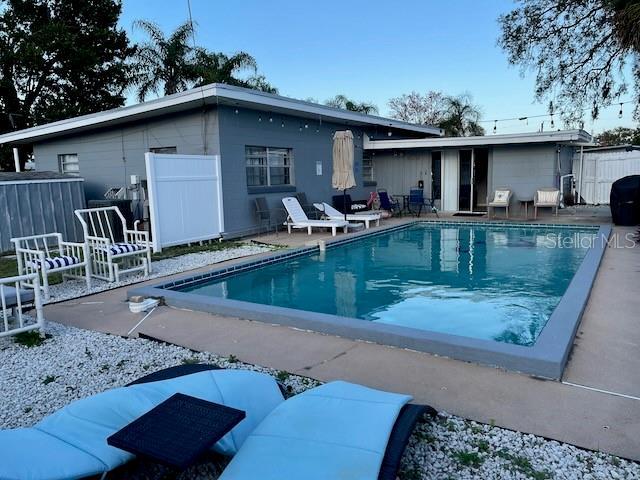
178	431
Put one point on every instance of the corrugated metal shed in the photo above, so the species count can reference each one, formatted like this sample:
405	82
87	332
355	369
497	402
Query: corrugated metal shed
33	203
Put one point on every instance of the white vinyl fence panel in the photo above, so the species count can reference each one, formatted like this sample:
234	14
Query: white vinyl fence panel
600	170
185	198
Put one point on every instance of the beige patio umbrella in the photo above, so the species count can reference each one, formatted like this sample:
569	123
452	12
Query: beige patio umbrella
343	177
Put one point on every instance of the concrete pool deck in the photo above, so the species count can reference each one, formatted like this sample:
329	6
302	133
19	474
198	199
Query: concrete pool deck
606	357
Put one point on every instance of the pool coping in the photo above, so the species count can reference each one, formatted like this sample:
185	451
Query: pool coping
546	358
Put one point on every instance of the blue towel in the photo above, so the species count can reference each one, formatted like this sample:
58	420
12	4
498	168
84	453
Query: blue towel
72	443
336	431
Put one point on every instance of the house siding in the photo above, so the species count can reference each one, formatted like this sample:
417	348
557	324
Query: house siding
524	168
108	158
252	127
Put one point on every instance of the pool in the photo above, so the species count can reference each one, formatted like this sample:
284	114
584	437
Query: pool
484	292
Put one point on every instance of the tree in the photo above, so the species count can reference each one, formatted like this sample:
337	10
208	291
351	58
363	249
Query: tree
164	62
578	50
619	136
461	117
414	107
174	65
59	59
457	115
341	101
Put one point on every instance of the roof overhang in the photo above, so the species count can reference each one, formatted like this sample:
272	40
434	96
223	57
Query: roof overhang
572	137
214	94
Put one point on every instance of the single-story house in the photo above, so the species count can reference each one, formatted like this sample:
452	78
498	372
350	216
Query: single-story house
459	173
272	146
269	145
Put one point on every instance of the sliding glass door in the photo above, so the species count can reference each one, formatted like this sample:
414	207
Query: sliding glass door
465	185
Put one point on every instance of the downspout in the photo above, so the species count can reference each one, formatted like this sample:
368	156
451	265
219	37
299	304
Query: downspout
581	167
16	159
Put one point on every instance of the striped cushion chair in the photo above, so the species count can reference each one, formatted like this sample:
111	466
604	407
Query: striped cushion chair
110	255
47	254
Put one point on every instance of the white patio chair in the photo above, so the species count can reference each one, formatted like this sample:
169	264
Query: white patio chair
13	299
501	199
109	256
48	254
546	198
333	214
296	218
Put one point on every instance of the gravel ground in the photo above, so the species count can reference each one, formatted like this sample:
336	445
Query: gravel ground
161	268
73	363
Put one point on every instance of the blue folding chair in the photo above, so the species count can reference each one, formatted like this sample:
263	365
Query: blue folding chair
417	202
387	203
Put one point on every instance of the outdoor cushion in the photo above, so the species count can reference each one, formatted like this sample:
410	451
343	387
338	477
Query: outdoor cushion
548	197
57	262
337	430
29	454
120	248
10	297
501	196
86	424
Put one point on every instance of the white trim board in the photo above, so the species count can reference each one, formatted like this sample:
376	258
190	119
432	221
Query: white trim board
213	94
575	137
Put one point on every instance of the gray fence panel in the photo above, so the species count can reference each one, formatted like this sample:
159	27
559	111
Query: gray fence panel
32	208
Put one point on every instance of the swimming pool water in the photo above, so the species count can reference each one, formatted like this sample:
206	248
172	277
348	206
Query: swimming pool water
490	282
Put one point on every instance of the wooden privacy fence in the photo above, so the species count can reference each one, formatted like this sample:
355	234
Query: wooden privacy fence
33	203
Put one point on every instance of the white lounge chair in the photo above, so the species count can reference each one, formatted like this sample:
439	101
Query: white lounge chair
333	214
111	257
48	254
296	218
501	199
13	298
546	198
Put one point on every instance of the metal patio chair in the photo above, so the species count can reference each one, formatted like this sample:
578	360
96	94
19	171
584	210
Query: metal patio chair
111	256
48	254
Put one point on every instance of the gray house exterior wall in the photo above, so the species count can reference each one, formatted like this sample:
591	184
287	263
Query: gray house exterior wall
107	158
309	145
524	168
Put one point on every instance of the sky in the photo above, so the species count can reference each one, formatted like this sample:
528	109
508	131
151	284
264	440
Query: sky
370	50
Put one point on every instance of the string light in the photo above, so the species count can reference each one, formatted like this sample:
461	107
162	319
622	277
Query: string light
270	119
259	118
620	112
495	127
282	124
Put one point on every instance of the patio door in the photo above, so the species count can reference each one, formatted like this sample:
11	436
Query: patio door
465	184
472	186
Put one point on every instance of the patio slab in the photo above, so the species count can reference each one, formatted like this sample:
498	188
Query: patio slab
606	356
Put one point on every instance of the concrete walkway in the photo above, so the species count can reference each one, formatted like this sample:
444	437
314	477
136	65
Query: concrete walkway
606	357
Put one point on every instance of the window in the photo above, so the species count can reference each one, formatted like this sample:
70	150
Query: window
367	168
165	150
68	163
268	166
